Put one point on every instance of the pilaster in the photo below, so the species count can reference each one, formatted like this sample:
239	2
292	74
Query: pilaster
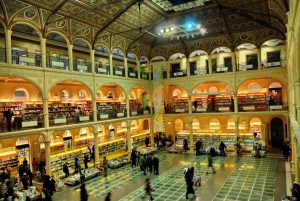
129	142
92	57
8	34
70	55
111	67
126	66
43	51
96	149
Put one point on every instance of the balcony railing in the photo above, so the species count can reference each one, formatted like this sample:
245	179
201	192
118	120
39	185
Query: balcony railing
104	115
213	108
140	112
2	55
179	73
57	62
200	71
82	66
118	71
247	67
26	58
222	69
133	73
144	75
273	64
99	69
22	122
65	118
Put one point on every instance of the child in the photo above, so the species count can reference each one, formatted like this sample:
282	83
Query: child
197	180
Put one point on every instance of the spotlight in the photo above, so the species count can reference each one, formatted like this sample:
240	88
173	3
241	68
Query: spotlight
189	26
172	28
198	26
167	30
161	31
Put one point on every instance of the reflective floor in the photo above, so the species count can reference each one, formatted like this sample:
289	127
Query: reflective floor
236	178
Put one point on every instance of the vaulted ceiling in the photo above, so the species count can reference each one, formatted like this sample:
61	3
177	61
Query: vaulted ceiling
133	20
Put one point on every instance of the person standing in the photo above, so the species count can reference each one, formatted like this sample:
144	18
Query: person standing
47	189
149	163
83	193
148	188
133	158
198	146
147	141
66	170
286	151
30	176
107	198
85	161
82	175
210	164
105	166
77	165
189	174
155	164
185	144
8	115
34	164
11	183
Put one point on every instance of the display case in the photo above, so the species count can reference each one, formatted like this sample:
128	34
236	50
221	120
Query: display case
138	139
112	146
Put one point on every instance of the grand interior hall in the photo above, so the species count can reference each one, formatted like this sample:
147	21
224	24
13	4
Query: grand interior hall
147	99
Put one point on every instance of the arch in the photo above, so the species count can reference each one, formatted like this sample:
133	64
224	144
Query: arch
247	46
83	40
176	92
253	87
141	87
3	24
144	58
36	28
272	42
81	94
132	56
103	47
213	89
67	133
118	52
275	85
177	56
90	91
63	35
178	125
12	75
214	124
197	53
194	88
195	124
65	94
158	59
255	124
277	132
113	84
222	49
21	94
274	78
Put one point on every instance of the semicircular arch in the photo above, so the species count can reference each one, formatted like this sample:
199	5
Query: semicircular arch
27	23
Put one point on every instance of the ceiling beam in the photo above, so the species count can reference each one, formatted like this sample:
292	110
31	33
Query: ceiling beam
224	18
259	21
54	11
107	24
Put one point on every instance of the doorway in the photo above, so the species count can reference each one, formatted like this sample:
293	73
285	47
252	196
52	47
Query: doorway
277	133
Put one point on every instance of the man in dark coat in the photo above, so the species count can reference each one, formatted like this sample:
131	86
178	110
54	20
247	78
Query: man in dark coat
133	158
155	162
83	193
85	161
8	115
24	180
66	170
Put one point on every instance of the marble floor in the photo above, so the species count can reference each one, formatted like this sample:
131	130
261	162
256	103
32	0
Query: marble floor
237	178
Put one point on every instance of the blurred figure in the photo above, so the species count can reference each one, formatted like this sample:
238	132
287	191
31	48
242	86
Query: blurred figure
85	161
210	164
222	148
47	188
24	180
155	162
66	170
133	158
107	198
148	188
83	193
189	175
286	151
105	166
198	147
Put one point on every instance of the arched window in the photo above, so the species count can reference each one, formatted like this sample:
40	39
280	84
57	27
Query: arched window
99	95
255	125
214	124
82	94
21	94
213	89
64	95
132	95
176	93
196	124
253	87
67	134
134	124
122	96
110	95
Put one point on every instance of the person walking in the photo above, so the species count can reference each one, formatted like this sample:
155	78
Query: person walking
198	146
66	170
105	166
149	163
47	189
185	144
107	198
77	164
133	158
210	164
189	175
83	193
148	188
222	148
85	161
8	115
155	164
147	141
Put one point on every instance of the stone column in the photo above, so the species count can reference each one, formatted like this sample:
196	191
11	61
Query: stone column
209	65
94	109
234	63
236	124
70	55
92	55
191	135
129	143
96	149
188	69
235	102
128	106
138	65
126	66
8	47
111	68
43	52
190	105
151	131
259	62
47	157
168	69
46	113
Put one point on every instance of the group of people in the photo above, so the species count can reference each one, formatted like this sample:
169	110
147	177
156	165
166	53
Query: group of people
162	141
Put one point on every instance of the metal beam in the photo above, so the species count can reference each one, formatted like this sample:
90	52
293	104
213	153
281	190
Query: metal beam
106	25
223	17
250	17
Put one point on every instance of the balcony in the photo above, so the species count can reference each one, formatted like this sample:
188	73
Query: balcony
132	73
119	71
26	58
247	67
140	112
60	63
178	73
82	66
99	69
66	118
222	69
273	64
200	71
2	55
145	75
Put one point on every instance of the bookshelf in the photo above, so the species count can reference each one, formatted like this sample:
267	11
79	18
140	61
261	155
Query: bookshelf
181	105
8	157
224	104
252	102
111	109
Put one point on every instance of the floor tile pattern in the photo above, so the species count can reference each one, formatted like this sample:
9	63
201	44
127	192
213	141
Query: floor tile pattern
252	180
